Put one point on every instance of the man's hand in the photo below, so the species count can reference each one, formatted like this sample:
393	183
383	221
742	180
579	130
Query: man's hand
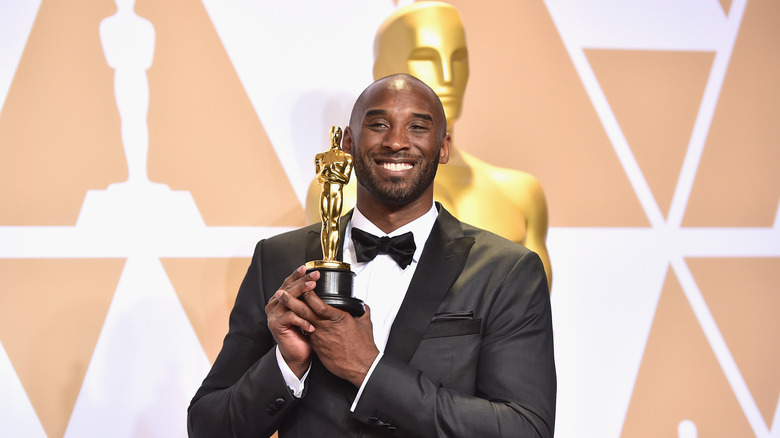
344	344
287	327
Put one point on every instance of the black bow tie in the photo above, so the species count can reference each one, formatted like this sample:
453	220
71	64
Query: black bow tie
400	248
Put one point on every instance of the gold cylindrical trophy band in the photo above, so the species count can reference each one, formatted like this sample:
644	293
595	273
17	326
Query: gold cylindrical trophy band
328	264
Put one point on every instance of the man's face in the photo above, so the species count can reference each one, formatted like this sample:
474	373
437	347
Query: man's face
396	143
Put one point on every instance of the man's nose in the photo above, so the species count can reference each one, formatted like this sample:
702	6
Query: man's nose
397	139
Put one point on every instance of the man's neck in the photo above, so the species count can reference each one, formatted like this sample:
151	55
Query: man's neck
390	218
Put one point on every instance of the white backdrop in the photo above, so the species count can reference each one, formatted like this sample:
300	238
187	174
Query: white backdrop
301	64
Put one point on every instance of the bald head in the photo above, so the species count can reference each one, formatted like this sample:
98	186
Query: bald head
399	83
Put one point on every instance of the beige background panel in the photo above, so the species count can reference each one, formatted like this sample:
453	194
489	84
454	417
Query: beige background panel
204	135
655	96
60	136
742	296
207	289
59	126
680	378
51	314
738	182
726	5
526	108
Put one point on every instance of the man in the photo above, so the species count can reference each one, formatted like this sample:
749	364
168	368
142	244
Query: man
456	343
427	40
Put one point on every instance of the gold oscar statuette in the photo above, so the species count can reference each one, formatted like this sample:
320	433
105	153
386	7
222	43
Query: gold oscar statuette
333	168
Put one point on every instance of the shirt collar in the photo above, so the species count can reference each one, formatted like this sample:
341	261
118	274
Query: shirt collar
420	228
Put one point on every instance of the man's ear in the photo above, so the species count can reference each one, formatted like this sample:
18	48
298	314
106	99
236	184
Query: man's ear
347	141
444	151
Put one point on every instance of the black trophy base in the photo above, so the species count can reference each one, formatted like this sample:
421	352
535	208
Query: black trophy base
335	286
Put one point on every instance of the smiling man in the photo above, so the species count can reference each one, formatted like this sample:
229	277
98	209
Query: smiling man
398	136
457	336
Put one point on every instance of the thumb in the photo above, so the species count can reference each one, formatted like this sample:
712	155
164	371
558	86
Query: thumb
365	317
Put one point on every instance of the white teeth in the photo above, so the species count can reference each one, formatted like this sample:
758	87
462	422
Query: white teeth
396	167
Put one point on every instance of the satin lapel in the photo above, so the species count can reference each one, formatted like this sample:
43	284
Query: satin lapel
314	245
441	262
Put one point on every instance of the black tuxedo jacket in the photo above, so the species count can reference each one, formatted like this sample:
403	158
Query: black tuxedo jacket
470	353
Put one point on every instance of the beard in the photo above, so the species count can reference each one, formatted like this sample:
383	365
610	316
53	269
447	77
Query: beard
396	191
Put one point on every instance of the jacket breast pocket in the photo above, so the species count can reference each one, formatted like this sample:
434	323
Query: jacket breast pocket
449	351
445	327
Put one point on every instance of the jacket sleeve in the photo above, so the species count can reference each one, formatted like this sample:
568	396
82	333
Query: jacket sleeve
244	394
515	385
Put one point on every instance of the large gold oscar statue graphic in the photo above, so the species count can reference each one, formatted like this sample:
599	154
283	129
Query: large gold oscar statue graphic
427	40
333	168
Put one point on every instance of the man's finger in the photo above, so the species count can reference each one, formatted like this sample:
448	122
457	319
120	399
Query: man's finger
296	274
321	309
365	318
302	284
367	314
297	306
289	319
299	275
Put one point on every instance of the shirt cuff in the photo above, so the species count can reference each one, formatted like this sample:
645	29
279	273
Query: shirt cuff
295	384
363	385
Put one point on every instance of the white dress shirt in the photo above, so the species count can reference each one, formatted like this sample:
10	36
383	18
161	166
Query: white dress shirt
380	283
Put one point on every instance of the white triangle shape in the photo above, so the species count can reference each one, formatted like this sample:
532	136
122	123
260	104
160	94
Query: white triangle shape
147	364
17	416
16	21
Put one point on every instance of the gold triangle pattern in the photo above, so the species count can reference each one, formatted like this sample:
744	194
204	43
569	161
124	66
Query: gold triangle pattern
51	314
732	287
207	288
204	135
677	368
655	96
735	185
51	153
522	67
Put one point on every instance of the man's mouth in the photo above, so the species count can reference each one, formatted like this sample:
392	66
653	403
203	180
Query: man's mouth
396	167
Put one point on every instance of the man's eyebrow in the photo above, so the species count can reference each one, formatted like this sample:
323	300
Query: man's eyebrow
381	112
375	112
423	116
